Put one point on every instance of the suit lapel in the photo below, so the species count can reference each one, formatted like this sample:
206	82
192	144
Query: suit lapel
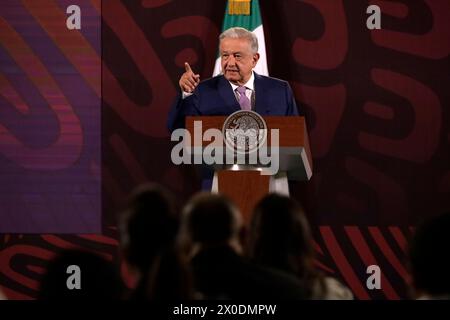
227	95
260	94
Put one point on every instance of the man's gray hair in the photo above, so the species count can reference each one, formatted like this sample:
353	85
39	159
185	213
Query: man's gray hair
241	33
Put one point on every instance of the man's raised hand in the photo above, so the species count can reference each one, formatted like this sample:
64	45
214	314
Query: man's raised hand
188	80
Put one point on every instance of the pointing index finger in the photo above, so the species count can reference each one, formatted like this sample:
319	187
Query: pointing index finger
187	67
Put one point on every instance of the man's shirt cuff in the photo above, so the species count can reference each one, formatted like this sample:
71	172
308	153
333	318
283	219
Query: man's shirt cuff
186	94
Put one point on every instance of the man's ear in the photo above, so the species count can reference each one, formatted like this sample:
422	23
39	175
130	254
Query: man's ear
255	59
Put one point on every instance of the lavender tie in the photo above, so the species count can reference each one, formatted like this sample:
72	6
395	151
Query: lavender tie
244	101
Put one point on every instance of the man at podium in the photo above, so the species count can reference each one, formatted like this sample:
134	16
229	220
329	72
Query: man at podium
237	88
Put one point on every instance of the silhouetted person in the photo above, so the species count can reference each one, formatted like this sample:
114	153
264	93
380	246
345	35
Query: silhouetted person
211	227
93	279
428	259
280	238
148	230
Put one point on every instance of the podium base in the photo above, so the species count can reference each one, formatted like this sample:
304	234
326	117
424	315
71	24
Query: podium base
247	187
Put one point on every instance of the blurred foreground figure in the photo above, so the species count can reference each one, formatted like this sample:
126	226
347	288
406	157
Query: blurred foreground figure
210	236
280	238
428	259
148	229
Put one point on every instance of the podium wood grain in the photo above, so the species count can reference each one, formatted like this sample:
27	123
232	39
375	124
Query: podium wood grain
244	187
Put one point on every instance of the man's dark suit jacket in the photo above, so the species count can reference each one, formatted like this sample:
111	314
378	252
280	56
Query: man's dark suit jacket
215	97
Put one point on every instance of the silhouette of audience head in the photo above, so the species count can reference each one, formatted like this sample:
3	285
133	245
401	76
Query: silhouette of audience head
148	226
213	226
428	259
211	220
280	236
75	274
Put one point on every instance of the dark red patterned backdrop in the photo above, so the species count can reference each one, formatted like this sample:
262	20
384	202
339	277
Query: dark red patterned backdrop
376	103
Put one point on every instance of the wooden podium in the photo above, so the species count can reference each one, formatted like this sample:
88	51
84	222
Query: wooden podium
245	185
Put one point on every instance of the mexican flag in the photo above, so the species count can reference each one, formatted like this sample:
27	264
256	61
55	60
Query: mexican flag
246	14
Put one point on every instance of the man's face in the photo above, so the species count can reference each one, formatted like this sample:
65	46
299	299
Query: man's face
237	60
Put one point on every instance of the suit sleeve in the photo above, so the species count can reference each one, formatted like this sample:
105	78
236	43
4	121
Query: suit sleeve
180	109
292	109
